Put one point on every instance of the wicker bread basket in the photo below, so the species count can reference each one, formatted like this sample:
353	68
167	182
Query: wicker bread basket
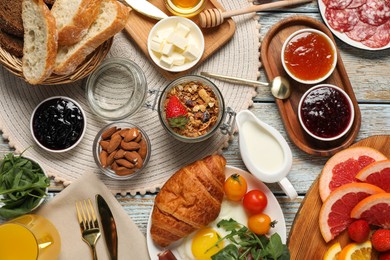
14	65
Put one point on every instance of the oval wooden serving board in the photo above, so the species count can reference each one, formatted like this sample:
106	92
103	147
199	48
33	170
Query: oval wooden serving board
305	240
138	27
270	55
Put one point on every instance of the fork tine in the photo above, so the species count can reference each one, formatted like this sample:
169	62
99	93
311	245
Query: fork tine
80	215
93	214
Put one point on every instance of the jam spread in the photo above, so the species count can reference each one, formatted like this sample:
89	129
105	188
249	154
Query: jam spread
58	124
309	56
325	112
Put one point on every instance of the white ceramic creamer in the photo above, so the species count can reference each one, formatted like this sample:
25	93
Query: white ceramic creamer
264	151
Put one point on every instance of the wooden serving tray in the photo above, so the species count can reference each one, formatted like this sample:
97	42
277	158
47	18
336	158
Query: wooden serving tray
270	54
139	26
305	240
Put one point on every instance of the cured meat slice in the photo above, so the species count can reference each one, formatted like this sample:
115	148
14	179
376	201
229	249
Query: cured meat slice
338	4
342	20
361	31
357	3
387	2
374	12
381	37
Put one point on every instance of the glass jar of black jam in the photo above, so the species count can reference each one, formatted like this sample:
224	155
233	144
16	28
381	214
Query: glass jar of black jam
326	112
58	124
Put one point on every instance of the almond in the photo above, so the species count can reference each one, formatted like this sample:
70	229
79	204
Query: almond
131	157
131	134
129	146
114	166
140	161
138	138
114	143
103	158
125	163
104	144
120	154
110	158
109	132
143	148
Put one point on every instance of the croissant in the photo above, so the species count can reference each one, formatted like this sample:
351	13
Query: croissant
189	200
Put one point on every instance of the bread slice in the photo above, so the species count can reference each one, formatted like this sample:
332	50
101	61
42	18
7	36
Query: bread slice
11	17
40	41
11	43
73	18
111	19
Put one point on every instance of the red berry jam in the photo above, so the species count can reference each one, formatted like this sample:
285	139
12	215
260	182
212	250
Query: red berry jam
58	124
326	112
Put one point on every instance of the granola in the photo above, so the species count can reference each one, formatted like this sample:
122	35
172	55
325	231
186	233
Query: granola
202	108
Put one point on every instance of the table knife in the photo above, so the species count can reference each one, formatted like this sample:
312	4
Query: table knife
146	8
108	226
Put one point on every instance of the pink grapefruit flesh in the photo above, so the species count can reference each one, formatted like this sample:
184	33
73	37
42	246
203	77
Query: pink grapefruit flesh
377	173
375	209
335	213
343	167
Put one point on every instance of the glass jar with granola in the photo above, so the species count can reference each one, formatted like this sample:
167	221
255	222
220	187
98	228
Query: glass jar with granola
191	108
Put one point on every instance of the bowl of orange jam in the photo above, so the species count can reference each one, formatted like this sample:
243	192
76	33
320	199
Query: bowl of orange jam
309	56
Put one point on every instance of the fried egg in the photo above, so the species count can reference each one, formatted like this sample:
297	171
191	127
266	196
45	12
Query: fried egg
199	244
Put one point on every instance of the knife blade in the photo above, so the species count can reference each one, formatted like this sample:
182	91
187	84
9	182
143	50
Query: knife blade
109	227
146	8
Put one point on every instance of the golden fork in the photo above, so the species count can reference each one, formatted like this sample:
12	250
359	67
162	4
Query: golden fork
89	225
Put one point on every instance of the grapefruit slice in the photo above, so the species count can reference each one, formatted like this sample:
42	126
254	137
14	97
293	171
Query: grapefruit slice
355	251
342	167
375	209
377	173
335	213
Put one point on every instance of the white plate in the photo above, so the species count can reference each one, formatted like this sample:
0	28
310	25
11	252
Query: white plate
273	210
343	36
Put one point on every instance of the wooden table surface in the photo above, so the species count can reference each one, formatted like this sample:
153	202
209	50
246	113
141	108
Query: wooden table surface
369	73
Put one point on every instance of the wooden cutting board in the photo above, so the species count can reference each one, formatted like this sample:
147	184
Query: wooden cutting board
305	240
138	27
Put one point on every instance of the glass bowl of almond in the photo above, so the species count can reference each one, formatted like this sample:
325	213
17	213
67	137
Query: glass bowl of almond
121	150
191	108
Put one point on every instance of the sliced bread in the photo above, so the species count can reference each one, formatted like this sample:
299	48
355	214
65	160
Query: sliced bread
111	20
11	43
40	41
73	18
11	17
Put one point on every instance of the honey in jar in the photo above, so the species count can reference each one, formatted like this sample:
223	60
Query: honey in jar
185	8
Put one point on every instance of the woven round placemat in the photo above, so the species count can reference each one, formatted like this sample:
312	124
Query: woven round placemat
239	57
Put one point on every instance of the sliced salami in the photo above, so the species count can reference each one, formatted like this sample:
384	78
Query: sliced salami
342	20
361	31
374	12
338	4
381	37
387	2
357	3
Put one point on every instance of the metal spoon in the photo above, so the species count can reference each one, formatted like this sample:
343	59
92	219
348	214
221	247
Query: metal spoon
280	87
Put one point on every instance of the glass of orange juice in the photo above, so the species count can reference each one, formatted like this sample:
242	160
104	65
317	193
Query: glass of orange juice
29	237
185	8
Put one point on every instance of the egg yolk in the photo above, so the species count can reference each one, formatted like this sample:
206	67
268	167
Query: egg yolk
203	244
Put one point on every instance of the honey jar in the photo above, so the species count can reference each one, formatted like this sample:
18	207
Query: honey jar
185	8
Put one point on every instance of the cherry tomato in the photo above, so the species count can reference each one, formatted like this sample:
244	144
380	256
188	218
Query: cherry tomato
235	187
255	202
260	224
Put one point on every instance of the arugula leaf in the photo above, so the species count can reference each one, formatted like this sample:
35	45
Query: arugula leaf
247	245
22	185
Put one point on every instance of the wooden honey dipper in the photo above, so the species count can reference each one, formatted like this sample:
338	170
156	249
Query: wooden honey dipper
214	17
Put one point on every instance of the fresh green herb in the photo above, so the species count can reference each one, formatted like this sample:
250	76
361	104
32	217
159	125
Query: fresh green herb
22	185
247	245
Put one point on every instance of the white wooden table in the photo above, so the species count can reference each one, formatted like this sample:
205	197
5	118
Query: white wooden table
369	73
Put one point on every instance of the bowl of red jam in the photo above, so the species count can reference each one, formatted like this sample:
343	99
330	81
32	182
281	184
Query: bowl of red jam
58	124
309	56
326	112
